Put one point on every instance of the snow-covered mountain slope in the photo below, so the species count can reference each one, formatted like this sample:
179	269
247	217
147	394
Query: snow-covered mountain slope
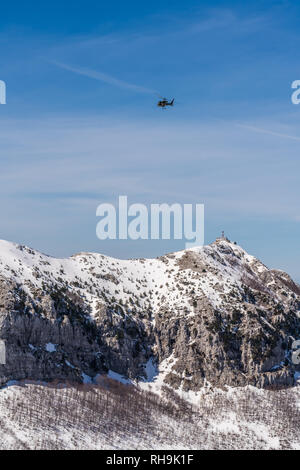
123	417
153	281
218	312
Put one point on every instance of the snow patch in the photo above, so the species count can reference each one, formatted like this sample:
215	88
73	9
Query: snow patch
50	347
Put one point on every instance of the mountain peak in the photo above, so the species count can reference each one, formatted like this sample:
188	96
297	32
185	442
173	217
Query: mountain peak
218	312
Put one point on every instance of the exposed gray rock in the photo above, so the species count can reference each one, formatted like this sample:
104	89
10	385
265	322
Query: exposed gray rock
220	314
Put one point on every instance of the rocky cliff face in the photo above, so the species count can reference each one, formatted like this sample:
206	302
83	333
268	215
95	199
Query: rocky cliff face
213	314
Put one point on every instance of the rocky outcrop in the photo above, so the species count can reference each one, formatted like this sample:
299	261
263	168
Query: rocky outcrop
217	314
56	339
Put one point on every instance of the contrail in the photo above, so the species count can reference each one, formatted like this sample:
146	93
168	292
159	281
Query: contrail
103	77
264	131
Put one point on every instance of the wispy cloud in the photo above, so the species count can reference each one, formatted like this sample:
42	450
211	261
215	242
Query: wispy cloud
63	167
103	77
265	131
224	18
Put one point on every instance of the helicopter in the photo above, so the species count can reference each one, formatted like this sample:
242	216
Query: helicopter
164	102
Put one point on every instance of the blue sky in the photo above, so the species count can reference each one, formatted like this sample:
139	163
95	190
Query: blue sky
81	125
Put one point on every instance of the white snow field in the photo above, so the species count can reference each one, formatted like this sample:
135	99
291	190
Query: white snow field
117	416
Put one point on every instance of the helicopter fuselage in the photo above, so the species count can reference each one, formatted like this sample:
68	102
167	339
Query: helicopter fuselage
163	103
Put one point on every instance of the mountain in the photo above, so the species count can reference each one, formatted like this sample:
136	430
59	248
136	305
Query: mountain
212	315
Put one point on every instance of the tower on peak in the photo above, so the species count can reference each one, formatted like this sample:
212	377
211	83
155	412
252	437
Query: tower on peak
223	237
